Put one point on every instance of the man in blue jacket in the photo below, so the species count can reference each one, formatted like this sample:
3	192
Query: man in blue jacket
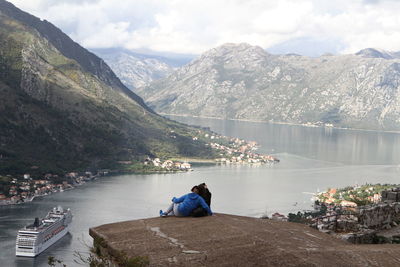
184	205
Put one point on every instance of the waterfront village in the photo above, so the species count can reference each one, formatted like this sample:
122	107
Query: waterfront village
359	214
237	151
229	150
25	188
241	152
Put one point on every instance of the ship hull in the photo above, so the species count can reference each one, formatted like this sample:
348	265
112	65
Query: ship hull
37	237
42	247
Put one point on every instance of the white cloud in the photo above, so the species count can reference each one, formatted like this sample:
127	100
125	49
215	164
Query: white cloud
183	26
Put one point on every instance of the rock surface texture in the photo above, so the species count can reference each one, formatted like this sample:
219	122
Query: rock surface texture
135	70
240	81
228	240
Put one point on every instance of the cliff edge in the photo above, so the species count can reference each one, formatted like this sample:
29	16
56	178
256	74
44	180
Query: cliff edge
229	240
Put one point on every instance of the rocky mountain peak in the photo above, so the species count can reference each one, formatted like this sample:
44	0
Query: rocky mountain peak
233	49
70	49
240	81
228	56
135	70
375	53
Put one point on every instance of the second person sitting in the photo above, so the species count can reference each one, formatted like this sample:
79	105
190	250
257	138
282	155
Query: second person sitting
184	205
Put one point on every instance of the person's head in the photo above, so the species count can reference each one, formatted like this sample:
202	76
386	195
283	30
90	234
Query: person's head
202	189
195	189
203	185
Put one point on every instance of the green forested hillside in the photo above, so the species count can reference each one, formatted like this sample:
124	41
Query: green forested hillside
58	115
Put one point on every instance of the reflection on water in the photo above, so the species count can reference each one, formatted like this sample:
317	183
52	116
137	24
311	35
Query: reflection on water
312	159
322	143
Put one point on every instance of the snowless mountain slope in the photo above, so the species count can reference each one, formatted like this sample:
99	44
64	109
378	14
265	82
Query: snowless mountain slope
240	81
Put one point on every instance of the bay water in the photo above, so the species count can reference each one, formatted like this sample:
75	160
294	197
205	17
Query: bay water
312	159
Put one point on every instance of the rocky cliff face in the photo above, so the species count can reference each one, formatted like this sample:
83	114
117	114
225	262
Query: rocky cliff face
239	81
67	47
136	70
62	108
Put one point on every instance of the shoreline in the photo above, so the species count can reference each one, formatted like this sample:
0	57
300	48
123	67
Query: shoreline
196	160
95	177
126	172
32	198
234	151
280	123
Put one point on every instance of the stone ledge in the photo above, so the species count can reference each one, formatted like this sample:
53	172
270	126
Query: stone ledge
229	240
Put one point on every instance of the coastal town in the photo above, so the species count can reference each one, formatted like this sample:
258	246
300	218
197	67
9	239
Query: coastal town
24	188
229	151
20	189
238	151
241	152
353	196
368	213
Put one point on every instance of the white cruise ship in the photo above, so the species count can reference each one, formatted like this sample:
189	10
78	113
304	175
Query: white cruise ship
35	238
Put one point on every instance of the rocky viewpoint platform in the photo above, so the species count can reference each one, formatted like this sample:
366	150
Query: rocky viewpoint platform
229	240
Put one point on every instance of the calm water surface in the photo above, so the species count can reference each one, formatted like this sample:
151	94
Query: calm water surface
312	159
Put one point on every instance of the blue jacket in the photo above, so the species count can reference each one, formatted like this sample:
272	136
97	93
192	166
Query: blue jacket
189	202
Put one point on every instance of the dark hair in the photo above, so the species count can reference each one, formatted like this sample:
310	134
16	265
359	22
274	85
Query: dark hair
202	189
195	187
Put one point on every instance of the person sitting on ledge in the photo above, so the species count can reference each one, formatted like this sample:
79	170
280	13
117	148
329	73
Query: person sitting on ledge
184	205
206	195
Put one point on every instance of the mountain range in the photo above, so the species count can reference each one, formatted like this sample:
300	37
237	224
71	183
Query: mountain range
62	107
240	81
137	70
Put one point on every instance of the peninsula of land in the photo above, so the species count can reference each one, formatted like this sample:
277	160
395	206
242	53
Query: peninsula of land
15	189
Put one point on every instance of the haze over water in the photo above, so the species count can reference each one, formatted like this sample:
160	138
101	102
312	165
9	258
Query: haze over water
312	159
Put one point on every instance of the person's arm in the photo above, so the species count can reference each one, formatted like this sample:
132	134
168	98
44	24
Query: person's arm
179	200
205	206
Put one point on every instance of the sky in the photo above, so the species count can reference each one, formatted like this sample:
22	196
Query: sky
307	27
